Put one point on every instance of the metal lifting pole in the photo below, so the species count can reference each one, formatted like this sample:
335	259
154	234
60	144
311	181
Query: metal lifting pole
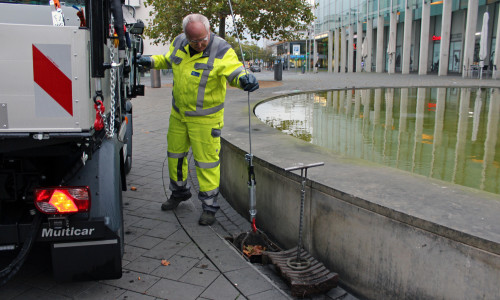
249	156
299	263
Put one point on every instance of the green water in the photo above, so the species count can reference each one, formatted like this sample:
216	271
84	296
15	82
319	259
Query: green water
451	134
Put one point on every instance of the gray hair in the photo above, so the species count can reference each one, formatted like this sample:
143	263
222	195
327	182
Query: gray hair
195	18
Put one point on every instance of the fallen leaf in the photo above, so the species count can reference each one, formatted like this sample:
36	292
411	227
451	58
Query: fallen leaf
165	262
133	188
250	250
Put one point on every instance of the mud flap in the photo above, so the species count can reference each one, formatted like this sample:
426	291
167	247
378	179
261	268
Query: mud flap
87	260
89	257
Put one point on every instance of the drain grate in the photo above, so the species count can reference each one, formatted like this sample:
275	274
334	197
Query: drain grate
258	238
315	279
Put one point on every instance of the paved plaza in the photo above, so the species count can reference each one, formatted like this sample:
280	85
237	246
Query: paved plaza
198	262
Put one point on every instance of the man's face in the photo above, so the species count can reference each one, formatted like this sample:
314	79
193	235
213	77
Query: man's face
197	36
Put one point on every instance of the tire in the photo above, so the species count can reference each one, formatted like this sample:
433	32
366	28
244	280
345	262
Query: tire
128	164
121	231
129	138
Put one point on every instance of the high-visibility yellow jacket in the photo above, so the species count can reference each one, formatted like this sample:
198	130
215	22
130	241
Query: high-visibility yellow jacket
199	87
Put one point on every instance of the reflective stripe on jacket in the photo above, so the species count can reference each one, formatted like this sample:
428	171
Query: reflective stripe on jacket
199	88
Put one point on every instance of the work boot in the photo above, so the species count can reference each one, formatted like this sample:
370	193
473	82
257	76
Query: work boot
207	218
174	201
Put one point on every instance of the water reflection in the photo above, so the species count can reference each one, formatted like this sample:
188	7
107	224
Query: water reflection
450	134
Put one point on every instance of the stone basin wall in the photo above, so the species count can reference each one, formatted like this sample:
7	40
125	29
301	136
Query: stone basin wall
388	234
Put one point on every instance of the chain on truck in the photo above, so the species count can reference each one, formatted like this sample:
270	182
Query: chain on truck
67	75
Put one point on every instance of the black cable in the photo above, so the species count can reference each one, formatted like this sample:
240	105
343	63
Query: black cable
8	272
187	233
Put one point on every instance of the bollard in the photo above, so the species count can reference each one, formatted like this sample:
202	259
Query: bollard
155	78
278	71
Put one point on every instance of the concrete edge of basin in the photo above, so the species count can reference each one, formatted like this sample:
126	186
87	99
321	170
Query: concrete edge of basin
418	222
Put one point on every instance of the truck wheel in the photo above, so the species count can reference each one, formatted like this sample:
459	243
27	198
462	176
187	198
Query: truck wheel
128	164
127	148
121	231
129	138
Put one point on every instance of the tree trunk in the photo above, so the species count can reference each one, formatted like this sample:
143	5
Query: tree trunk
222	27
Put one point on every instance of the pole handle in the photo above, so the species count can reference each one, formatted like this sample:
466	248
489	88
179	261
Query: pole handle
301	166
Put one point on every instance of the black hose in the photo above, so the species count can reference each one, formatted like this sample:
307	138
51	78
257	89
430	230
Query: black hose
8	272
116	10
130	7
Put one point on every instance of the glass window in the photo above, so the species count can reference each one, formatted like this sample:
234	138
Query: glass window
373	9
492	52
435	56
384	4
401	5
385	7
455	56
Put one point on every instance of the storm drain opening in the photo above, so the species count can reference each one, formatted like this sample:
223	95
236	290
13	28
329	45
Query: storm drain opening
306	278
253	246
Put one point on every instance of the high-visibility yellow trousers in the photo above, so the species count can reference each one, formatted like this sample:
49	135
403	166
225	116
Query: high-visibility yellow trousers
204	139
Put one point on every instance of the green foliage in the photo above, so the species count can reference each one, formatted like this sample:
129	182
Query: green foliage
271	19
249	50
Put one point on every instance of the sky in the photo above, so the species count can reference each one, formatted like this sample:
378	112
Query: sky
246	36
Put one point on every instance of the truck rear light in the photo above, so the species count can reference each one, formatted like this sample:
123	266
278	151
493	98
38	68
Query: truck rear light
62	200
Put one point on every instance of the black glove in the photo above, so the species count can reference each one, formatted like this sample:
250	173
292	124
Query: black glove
145	61
249	83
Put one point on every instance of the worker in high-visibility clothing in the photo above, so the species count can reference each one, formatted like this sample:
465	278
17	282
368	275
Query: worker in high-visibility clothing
202	63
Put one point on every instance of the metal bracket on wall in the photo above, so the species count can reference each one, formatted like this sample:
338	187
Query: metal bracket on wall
4	122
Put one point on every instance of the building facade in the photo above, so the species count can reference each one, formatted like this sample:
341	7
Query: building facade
140	11
403	36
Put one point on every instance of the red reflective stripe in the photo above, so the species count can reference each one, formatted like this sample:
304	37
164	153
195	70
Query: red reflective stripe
52	80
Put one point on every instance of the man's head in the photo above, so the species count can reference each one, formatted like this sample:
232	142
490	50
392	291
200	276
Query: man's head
197	30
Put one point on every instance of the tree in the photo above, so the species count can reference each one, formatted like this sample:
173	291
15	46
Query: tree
271	19
247	47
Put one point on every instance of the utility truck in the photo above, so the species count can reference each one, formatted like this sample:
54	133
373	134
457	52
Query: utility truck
67	75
